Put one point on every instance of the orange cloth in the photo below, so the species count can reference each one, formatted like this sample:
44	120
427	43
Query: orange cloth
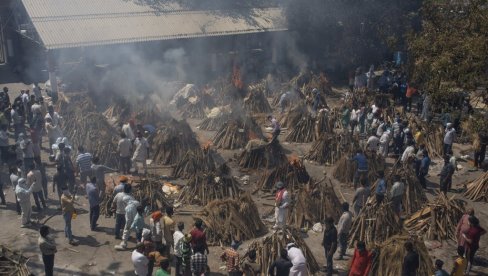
157	215
411	91
361	263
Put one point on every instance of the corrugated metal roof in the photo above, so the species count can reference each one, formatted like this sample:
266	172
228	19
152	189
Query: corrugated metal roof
76	23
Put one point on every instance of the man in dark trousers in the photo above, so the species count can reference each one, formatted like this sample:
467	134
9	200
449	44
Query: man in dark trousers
446	175
282	265
330	243
411	261
48	250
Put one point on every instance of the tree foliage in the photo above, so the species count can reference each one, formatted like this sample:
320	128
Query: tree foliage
451	50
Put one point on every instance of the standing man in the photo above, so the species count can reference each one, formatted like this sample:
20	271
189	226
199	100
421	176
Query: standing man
424	168
124	148
14	181
141	152
411	261
119	205
396	193
384	143
25	145
449	136
360	197
198	236
479	146
380	188
408	153
17	121
282	201
231	259
60	182
68	209
276	128
48	249
4	145
54	116
373	143
361	261
362	168
157	230
198	261
472	240
446	176
343	227
282	265
130	215
298	261
23	193
94	201
140	261
168	230
83	164
329	242
178	239
34	181
99	172
128	130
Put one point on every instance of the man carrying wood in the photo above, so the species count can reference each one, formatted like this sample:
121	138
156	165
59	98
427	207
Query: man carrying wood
282	200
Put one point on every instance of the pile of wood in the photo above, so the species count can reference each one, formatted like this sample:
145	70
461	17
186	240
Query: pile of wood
144	111
217	117
293	174
323	123
93	132
256	102
478	189
231	219
236	133
199	161
172	141
205	187
291	118
375	224
303	131
314	203
390	254
13	263
197	107
268	249
259	154
325	150
438	220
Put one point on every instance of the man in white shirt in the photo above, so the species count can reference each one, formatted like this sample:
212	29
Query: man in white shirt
282	201
373	143
178	239
55	118
408	152
384	144
396	193
128	130
124	148
449	138
141	153
296	257
139	260
343	227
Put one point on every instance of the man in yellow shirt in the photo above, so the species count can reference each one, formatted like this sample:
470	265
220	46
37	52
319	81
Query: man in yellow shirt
460	263
168	230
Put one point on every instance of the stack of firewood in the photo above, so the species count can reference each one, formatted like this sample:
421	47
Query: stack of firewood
236	133
303	131
231	219
200	160
205	187
13	263
293	174
478	189
172	141
314	203
268	249
256	102
438	220
262	155
375	224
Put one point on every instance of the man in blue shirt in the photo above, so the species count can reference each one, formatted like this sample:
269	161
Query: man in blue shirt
424	168
362	167
380	188
94	201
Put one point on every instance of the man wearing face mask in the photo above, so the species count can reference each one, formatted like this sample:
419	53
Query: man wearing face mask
23	193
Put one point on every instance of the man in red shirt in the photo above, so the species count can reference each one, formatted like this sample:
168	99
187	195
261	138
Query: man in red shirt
472	239
198	237
361	261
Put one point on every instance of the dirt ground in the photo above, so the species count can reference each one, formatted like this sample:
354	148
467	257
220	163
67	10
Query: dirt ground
95	255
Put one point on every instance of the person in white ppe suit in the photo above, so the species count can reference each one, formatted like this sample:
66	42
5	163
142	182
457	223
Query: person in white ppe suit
23	193
130	214
384	144
296	257
282	201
